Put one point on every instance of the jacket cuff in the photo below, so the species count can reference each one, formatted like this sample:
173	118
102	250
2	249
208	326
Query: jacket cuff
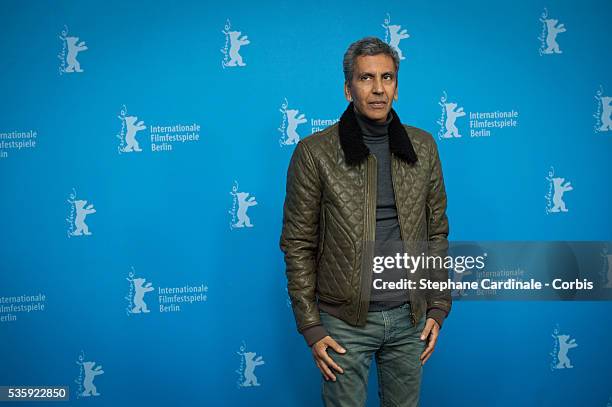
437	314
314	333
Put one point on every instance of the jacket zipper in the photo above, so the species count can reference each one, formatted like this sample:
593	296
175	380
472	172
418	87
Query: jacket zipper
370	198
410	296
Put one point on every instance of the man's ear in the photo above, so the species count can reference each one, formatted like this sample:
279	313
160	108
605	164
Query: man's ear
347	92
395	93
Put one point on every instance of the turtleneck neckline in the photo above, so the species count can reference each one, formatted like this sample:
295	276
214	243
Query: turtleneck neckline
371	127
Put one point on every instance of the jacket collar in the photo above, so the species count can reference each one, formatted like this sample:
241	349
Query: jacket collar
355	150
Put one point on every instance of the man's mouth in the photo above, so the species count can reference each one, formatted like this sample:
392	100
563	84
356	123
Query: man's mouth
377	105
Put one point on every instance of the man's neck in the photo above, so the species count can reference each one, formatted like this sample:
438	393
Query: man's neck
372	127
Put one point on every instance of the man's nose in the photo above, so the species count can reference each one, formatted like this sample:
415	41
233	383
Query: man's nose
377	88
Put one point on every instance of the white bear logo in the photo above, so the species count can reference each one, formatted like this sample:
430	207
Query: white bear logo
249	372
73	50
294	120
606	112
396	37
452	113
140	290
552	30
560	189
80	227
458	278
564	347
90	374
243	205
131	144
236	41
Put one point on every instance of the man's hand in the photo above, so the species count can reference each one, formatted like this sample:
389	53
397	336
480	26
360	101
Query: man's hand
430	332
322	359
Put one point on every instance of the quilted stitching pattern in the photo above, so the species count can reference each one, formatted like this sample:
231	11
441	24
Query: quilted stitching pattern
321	186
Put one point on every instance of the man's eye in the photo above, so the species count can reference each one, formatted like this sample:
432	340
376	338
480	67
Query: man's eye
363	78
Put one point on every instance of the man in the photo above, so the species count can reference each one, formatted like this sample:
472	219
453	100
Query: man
357	187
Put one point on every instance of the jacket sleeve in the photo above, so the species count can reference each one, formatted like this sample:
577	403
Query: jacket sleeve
299	240
438	302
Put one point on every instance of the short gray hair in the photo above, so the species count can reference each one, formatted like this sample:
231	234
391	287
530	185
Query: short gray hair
367	46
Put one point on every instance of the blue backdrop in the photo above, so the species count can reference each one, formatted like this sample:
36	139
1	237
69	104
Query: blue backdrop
143	155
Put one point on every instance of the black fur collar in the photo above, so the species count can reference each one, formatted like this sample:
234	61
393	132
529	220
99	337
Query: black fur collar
355	150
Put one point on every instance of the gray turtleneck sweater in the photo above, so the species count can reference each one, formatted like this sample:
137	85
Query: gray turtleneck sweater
388	239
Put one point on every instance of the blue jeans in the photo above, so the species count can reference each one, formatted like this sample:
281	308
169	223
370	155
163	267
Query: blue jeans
390	336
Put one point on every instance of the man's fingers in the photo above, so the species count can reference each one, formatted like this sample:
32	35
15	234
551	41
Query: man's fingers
319	365
426	353
430	332
323	360
330	362
335	345
324	356
326	372
426	330
428	349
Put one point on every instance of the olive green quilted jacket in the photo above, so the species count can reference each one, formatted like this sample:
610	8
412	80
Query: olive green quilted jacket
329	215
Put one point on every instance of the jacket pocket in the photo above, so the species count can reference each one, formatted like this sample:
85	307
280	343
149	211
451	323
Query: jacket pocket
336	264
322	232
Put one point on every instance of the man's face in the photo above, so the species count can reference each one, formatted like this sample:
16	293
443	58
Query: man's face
373	86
